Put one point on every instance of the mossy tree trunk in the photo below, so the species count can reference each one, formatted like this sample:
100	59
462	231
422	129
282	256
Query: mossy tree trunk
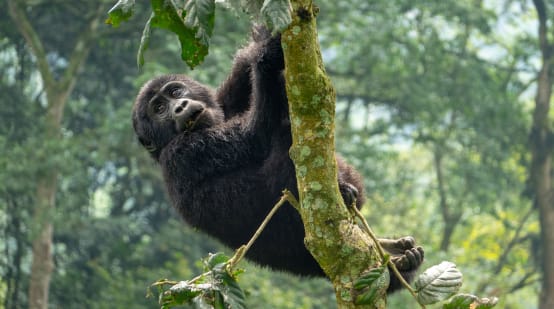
341	248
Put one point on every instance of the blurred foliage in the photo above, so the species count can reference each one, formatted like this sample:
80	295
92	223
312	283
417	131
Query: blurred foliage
416	81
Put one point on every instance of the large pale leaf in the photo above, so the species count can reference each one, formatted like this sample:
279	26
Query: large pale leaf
438	283
276	14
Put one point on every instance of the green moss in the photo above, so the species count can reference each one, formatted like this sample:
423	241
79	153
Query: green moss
316	186
295	91
318	161
302	170
326	117
320	203
305	151
345	295
316	99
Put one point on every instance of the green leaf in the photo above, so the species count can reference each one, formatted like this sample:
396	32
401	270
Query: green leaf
182	293
169	16
216	288
200	15
216	259
218	302
463	301
233	295
369	284
438	283
367	279
276	14
144	42
120	12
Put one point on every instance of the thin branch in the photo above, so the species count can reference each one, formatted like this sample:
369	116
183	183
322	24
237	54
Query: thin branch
515	240
524	282
381	252
81	50
241	252
31	37
541	13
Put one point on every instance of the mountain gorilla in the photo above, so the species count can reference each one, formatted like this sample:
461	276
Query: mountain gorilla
225	161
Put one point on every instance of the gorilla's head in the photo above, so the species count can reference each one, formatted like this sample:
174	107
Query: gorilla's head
170	105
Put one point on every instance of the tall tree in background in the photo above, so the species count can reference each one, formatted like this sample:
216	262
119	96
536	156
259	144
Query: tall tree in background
541	151
57	89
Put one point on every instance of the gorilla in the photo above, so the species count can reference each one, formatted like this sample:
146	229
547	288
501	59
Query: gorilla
224	158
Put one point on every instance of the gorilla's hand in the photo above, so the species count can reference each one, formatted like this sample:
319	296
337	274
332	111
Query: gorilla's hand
406	257
270	57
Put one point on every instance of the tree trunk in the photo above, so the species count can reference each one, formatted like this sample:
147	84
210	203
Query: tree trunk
341	248
57	93
450	216
14	260
42	265
541	181
541	138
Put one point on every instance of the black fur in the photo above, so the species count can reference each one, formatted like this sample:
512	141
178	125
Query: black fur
226	171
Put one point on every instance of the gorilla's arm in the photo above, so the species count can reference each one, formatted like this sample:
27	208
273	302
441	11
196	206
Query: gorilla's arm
268	89
234	94
242	140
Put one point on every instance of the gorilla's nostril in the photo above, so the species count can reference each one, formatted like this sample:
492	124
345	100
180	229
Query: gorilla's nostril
180	106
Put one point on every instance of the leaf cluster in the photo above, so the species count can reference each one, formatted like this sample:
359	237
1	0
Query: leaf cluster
367	286
193	21
217	287
436	284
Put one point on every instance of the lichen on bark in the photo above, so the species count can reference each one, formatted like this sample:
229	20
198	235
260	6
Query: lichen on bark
341	248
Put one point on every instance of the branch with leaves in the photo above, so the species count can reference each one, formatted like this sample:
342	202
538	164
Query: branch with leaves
217	286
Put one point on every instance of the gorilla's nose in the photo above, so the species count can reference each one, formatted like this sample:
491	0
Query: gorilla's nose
180	107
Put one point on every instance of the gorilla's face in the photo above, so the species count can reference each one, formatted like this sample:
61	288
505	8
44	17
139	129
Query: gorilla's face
170	105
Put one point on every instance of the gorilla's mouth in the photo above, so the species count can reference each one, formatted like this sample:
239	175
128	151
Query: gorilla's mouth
193	119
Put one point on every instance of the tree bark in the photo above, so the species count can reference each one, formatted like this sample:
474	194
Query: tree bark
43	265
57	94
341	248
450	216
541	138
13	274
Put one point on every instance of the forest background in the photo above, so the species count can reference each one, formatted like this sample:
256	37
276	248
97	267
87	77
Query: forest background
435	105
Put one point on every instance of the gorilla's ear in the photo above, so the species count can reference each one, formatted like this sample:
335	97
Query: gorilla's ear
148	145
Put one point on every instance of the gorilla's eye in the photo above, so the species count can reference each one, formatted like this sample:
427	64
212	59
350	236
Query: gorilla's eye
175	92
174	89
159	108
